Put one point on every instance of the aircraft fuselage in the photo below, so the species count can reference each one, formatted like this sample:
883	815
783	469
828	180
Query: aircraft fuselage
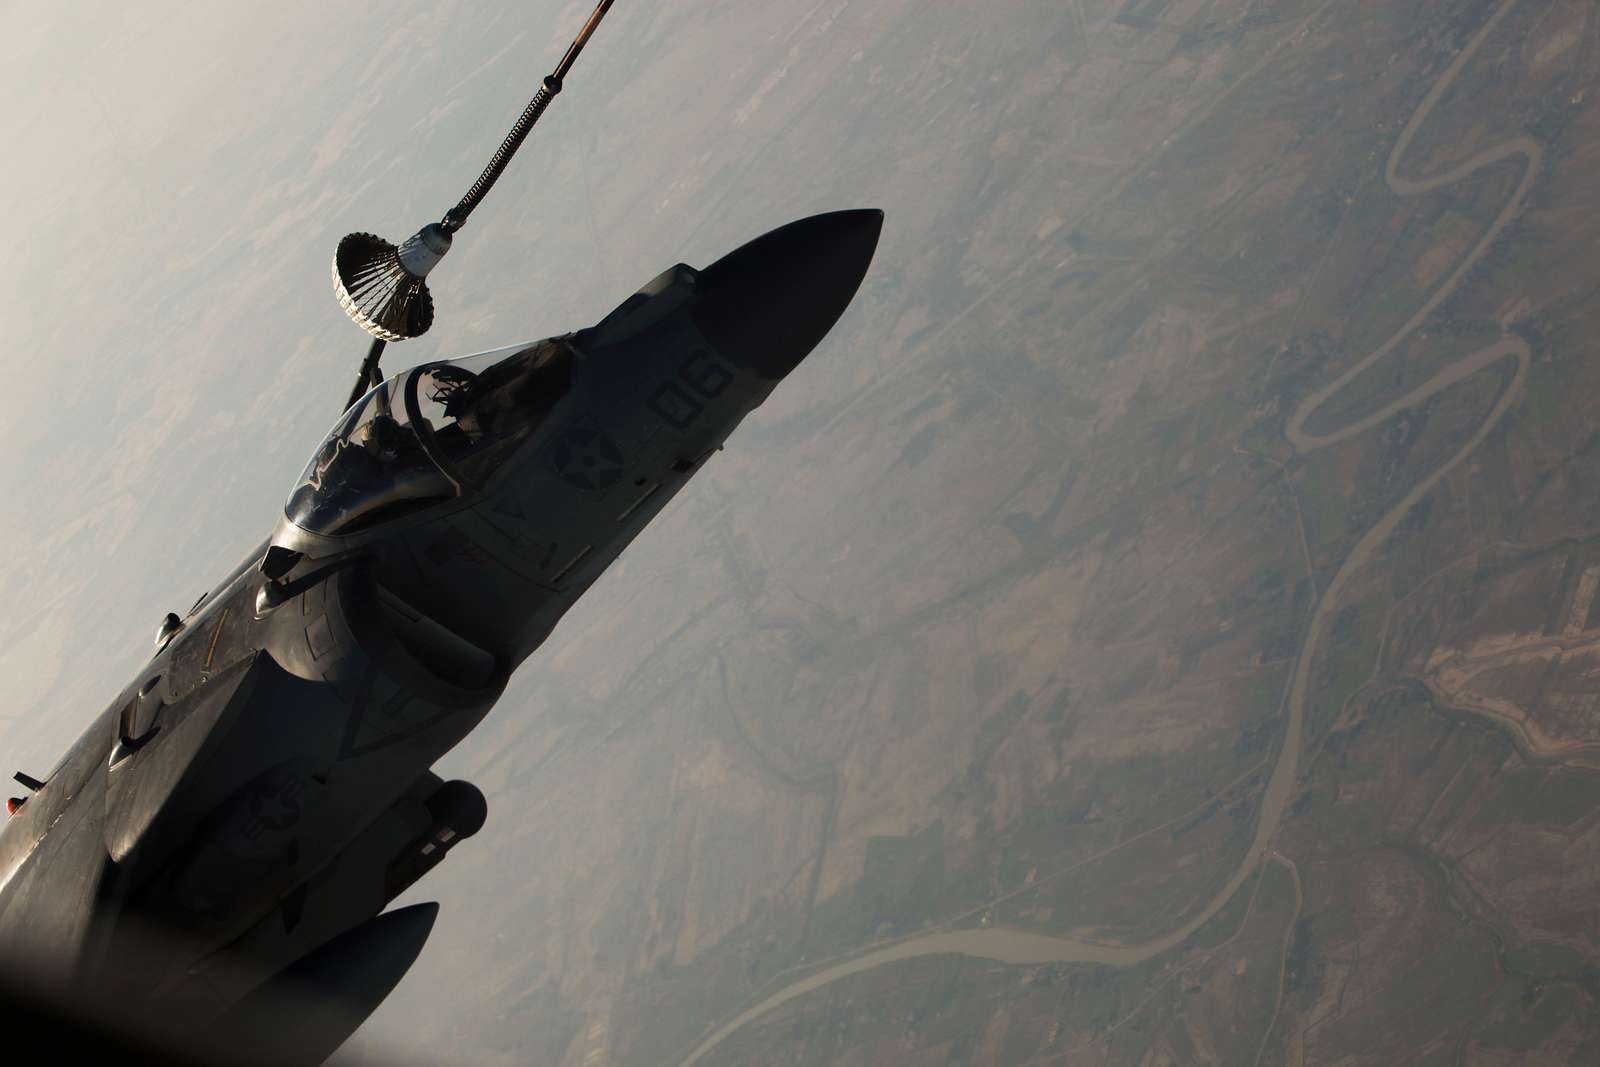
261	790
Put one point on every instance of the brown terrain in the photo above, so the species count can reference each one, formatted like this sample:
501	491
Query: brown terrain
1160	625
1186	648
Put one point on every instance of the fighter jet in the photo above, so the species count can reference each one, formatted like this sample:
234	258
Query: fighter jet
213	858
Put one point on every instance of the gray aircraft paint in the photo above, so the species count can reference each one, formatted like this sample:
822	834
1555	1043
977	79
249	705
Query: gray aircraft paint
262	786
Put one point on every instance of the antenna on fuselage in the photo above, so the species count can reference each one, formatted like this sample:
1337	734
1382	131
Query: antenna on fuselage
382	286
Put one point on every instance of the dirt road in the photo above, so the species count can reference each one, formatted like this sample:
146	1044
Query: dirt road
1027	949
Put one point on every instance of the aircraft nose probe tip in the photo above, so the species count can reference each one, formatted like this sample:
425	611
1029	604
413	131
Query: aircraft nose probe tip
768	303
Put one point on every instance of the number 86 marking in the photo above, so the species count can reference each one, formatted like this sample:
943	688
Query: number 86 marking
705	378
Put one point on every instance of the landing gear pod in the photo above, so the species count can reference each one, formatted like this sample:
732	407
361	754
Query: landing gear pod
458	811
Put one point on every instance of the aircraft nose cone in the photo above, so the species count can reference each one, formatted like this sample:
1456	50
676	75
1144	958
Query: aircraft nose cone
767	304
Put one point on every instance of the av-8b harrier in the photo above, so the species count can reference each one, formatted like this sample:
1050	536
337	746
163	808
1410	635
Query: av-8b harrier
214	855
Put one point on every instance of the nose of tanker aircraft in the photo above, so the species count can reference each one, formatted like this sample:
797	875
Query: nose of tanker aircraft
766	304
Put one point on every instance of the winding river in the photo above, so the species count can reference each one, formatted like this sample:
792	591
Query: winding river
1027	949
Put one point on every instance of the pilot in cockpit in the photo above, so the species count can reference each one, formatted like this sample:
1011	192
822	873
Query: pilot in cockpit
504	400
422	435
457	390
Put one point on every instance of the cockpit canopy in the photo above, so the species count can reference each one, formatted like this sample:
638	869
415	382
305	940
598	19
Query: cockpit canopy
428	434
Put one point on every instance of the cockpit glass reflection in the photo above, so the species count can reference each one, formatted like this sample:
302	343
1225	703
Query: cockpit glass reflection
423	435
370	468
